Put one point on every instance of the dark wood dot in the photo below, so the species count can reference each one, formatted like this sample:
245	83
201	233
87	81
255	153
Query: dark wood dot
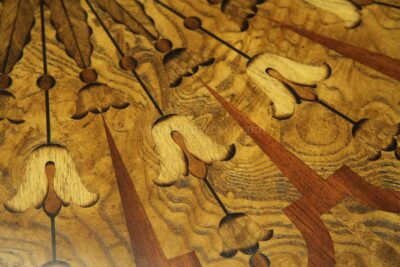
214	1
46	82
5	81
192	23
163	45
128	63
88	75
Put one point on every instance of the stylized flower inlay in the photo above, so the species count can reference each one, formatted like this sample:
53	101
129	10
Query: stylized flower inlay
279	88
97	98
376	135
173	161
180	63
67	184
239	232
8	108
346	10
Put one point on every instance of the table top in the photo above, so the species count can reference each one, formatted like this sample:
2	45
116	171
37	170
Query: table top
199	133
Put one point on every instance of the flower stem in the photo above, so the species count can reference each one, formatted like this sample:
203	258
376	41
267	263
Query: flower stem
48	124
243	54
44	59
53	238
122	54
220	203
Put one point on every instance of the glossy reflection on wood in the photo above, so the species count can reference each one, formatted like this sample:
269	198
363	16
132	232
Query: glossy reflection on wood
185	217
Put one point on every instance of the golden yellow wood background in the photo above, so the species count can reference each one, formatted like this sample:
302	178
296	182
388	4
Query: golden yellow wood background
185	216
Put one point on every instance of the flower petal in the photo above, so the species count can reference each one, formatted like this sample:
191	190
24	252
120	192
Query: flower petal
239	232
199	144
228	254
56	264
9	108
282	99
268	235
251	249
173	162
180	63
344	9
97	98
67	182
34	184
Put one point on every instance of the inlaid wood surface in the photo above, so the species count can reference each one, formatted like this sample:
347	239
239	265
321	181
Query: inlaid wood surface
185	217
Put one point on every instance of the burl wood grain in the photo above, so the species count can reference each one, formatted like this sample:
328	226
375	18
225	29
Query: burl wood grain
185	217
318	196
382	63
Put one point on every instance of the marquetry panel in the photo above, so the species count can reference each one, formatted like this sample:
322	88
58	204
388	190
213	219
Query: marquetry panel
317	152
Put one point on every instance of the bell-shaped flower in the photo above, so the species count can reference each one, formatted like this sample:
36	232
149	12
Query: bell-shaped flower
67	183
346	10
239	232
241	12
173	161
282	95
376	135
97	98
180	63
8	108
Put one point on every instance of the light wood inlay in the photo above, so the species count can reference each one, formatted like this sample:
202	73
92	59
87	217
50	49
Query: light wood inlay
185	217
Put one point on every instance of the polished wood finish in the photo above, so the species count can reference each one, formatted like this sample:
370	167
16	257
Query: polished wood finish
318	195
185	217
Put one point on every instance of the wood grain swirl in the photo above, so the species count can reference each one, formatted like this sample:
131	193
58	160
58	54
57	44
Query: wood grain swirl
185	217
